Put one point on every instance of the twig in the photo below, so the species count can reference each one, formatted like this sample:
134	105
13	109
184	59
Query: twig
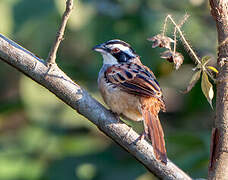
59	35
185	42
164	26
175	40
77	98
186	16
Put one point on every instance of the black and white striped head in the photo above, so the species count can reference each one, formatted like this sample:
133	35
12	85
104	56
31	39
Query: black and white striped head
115	51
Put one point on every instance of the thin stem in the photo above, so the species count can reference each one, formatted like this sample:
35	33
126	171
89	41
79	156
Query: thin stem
59	35
175	40
164	26
186	16
184	40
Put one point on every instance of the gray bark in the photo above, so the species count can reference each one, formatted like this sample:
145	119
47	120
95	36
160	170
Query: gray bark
218	168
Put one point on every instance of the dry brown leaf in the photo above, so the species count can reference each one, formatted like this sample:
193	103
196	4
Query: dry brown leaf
168	55
178	59
161	41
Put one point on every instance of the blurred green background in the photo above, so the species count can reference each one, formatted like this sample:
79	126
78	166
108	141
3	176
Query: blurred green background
43	139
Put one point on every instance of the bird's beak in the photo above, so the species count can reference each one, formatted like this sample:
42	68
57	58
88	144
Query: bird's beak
100	48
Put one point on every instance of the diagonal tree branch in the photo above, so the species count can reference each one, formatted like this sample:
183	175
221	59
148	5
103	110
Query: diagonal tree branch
72	94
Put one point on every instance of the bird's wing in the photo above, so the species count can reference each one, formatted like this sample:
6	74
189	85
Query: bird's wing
134	79
139	80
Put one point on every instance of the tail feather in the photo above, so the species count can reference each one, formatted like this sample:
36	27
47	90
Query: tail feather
153	130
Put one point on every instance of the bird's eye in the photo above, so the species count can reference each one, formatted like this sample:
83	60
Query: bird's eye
115	50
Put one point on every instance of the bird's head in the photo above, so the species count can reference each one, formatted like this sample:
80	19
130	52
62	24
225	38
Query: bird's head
115	51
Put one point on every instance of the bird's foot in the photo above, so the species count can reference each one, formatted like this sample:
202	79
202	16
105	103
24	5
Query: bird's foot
142	136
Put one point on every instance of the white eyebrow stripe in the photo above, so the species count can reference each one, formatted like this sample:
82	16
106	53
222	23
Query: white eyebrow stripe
122	48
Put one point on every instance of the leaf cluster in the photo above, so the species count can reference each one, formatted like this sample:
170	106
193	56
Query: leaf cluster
171	55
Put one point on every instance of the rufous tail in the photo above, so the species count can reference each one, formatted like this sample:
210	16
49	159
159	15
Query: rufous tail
153	129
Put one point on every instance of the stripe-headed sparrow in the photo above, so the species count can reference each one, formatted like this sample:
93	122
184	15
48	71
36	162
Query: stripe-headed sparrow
131	90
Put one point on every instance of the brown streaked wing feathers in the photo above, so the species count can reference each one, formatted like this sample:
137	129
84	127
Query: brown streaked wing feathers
134	80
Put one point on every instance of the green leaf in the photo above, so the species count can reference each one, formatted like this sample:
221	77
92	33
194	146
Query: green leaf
193	81
205	60
207	88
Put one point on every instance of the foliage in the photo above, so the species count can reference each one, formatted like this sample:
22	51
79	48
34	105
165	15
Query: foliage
42	139
171	55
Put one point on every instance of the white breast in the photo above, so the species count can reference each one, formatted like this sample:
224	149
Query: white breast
119	101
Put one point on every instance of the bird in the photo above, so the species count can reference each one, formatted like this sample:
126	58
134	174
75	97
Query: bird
130	90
